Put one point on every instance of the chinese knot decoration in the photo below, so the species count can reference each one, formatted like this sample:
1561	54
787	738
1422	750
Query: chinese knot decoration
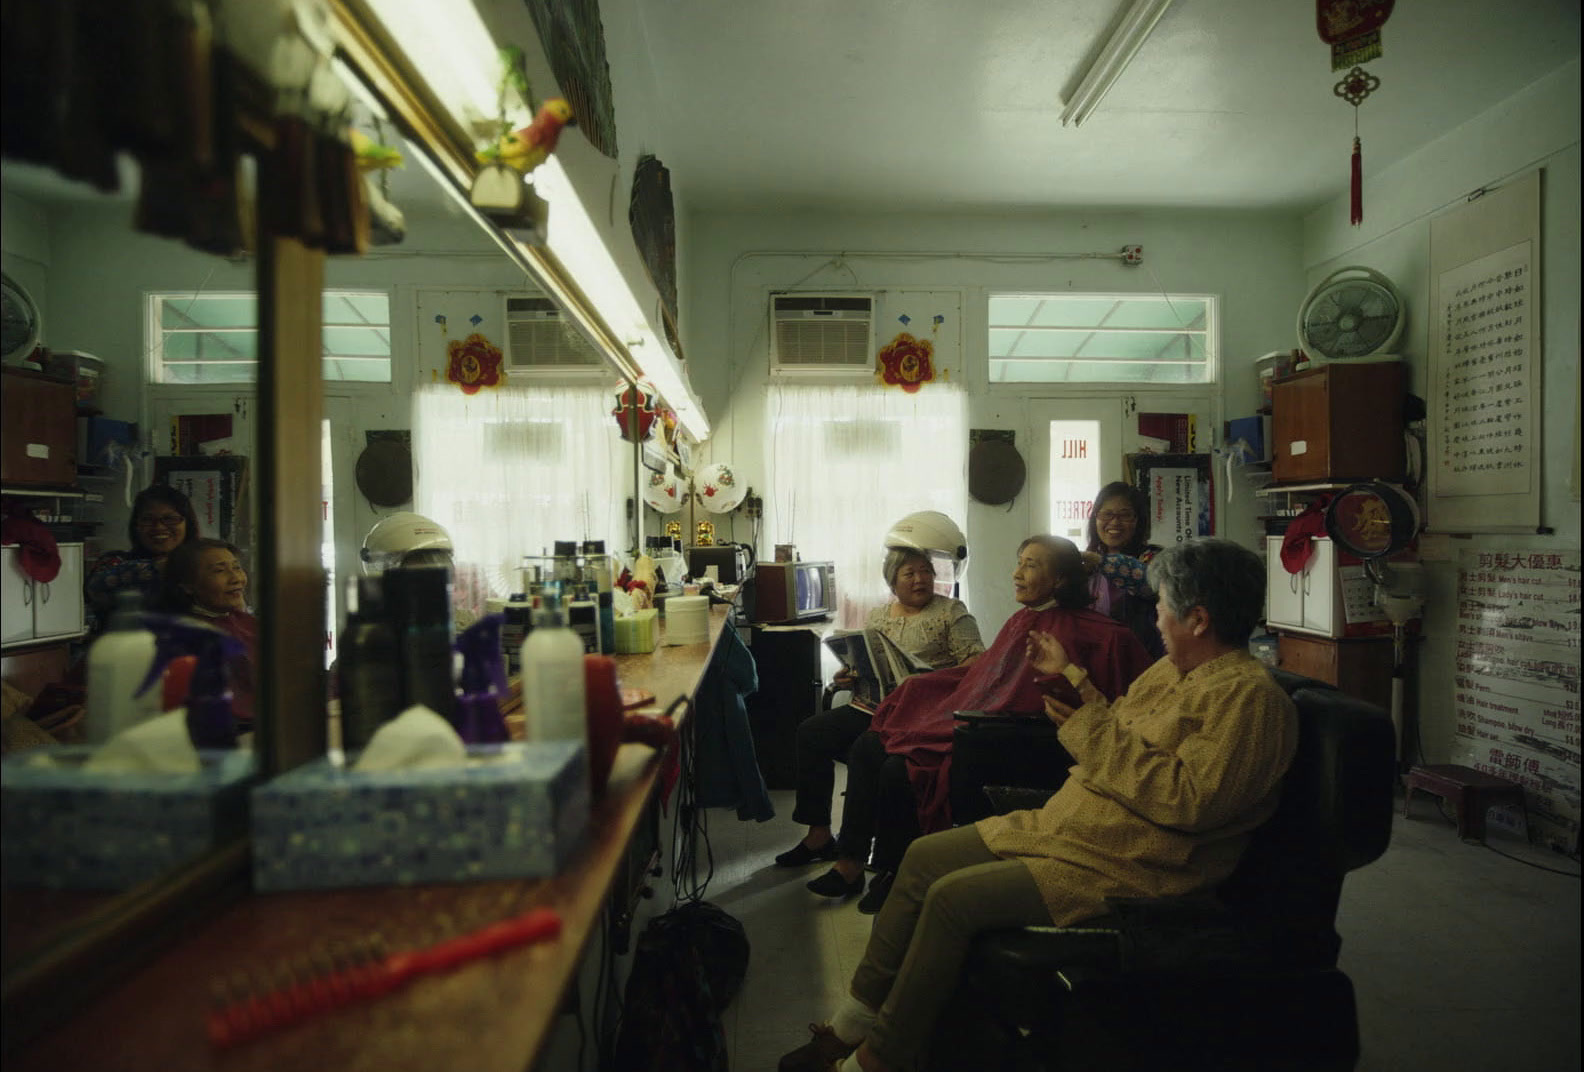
635	412
473	363
1352	29
907	363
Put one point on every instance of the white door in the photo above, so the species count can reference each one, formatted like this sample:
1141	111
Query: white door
58	604
1077	449
1320	584
1284	595
16	598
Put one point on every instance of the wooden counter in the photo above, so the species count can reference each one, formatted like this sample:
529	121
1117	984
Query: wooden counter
493	1014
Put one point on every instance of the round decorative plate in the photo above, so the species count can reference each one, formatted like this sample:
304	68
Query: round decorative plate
719	488
662	493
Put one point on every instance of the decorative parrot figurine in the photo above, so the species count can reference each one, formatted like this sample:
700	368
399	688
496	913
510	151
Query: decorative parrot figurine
525	149
371	155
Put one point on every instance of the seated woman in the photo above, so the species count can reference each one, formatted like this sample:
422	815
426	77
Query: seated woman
1170	782
916	721
935	629
204	579
1117	552
162	520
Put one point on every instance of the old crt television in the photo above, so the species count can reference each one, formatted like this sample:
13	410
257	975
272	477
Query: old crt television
793	591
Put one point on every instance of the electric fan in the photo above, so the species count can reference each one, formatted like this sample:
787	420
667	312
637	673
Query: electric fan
19	321
1353	314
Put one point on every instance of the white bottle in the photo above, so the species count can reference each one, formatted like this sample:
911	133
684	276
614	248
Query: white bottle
552	679
117	664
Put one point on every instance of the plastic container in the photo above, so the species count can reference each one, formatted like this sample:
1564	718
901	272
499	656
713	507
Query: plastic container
687	620
83	369
552	679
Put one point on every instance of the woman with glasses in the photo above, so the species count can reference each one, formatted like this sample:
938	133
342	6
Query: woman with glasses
1116	554
162	520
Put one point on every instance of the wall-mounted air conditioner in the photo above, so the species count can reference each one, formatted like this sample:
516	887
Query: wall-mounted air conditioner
540	341
813	333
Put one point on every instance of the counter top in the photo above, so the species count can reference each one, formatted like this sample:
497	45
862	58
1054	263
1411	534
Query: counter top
491	1014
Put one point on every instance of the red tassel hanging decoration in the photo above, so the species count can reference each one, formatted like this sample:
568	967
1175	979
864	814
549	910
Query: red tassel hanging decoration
1357	187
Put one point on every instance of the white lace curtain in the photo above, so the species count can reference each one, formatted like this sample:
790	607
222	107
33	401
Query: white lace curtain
848	462
510	471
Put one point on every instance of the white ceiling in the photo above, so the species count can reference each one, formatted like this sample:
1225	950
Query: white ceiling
944	105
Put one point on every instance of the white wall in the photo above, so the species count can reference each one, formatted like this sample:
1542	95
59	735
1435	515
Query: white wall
1251	260
1538	127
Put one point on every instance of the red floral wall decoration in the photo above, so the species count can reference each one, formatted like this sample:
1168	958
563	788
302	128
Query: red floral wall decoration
473	363
907	362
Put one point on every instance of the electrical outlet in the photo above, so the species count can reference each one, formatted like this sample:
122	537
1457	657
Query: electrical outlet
752	505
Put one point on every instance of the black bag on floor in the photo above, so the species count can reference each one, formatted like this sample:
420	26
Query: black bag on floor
690	964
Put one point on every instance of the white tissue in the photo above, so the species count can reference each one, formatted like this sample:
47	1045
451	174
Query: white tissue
159	745
416	739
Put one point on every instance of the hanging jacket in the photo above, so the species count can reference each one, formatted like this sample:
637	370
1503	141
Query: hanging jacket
727	766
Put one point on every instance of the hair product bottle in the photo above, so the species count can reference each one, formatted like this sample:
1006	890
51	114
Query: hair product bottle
552	678
369	669
117	663
419	599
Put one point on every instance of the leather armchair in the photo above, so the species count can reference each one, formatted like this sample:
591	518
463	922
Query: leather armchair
1241	978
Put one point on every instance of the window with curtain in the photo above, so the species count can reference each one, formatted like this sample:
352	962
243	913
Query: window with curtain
510	471
846	463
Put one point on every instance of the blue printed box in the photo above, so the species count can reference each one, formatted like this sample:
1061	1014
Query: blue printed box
515	811
71	830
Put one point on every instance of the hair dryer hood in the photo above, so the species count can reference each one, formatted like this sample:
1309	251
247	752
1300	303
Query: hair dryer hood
933	533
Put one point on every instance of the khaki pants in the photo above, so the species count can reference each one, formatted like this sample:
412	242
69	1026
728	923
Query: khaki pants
949	889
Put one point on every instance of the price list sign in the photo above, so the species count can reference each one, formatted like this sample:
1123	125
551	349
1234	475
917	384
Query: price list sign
1517	678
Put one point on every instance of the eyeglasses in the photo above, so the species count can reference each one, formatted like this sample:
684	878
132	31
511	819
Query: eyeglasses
160	521
1106	517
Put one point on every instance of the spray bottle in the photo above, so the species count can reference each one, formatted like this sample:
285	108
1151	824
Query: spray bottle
116	665
478	714
211	722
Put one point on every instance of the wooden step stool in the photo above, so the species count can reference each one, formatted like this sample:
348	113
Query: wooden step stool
1472	792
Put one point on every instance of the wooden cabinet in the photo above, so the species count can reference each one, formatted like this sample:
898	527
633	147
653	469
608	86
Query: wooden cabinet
38	437
1361	668
37	610
1339	422
788	661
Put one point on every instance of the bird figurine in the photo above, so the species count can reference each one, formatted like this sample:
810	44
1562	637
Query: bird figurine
525	149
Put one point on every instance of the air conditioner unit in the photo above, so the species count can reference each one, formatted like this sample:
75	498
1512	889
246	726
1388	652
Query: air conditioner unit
539	340
821	333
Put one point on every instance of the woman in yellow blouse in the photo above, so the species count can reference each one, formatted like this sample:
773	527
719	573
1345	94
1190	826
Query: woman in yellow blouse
1169	782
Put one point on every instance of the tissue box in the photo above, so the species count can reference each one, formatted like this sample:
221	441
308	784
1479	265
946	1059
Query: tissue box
639	633
65	829
515	811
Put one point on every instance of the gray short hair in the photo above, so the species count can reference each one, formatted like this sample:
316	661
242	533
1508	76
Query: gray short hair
896	558
1225	578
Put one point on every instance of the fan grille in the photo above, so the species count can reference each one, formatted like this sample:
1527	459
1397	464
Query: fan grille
1351	319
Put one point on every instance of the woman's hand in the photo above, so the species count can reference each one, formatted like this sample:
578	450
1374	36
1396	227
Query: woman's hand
844	678
1045	653
1057	711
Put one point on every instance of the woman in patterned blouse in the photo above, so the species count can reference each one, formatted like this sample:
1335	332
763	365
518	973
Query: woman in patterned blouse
937	630
1118	549
162	520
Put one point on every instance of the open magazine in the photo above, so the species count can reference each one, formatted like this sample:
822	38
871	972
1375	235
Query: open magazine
876	661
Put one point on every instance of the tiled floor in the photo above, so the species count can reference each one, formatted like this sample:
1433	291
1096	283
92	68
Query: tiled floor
1463	961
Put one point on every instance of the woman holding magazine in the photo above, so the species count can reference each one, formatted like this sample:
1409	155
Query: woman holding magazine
934	629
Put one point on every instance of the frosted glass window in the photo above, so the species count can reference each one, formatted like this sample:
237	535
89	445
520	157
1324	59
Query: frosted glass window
213	337
1102	338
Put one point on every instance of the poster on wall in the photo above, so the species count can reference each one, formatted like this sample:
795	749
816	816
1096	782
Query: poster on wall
217	487
1181	494
1517	677
1485	346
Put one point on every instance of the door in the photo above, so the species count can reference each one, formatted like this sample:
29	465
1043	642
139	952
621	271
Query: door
58	604
16	598
1284	595
1320	587
1077	449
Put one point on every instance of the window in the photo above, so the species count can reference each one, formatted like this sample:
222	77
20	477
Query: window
213	338
1102	338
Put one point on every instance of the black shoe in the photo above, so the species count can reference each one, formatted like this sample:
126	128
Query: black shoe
878	889
831	884
819	1054
800	855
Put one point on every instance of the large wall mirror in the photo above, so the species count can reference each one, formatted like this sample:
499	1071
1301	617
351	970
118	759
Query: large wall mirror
309	398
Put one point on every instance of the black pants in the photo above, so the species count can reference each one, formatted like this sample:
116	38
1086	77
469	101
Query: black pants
822	739
880	805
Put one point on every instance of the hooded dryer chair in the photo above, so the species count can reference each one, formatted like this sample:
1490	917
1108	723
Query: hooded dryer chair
1244	978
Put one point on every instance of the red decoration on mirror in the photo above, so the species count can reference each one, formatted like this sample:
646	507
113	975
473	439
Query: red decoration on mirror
473	363
907	362
635	412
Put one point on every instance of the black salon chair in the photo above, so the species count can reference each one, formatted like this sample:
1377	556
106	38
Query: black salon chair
1241	979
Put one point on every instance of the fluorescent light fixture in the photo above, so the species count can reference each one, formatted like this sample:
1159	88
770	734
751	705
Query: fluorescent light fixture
1115	55
454	52
575	240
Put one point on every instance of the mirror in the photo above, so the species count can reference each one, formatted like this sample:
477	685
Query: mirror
158	342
